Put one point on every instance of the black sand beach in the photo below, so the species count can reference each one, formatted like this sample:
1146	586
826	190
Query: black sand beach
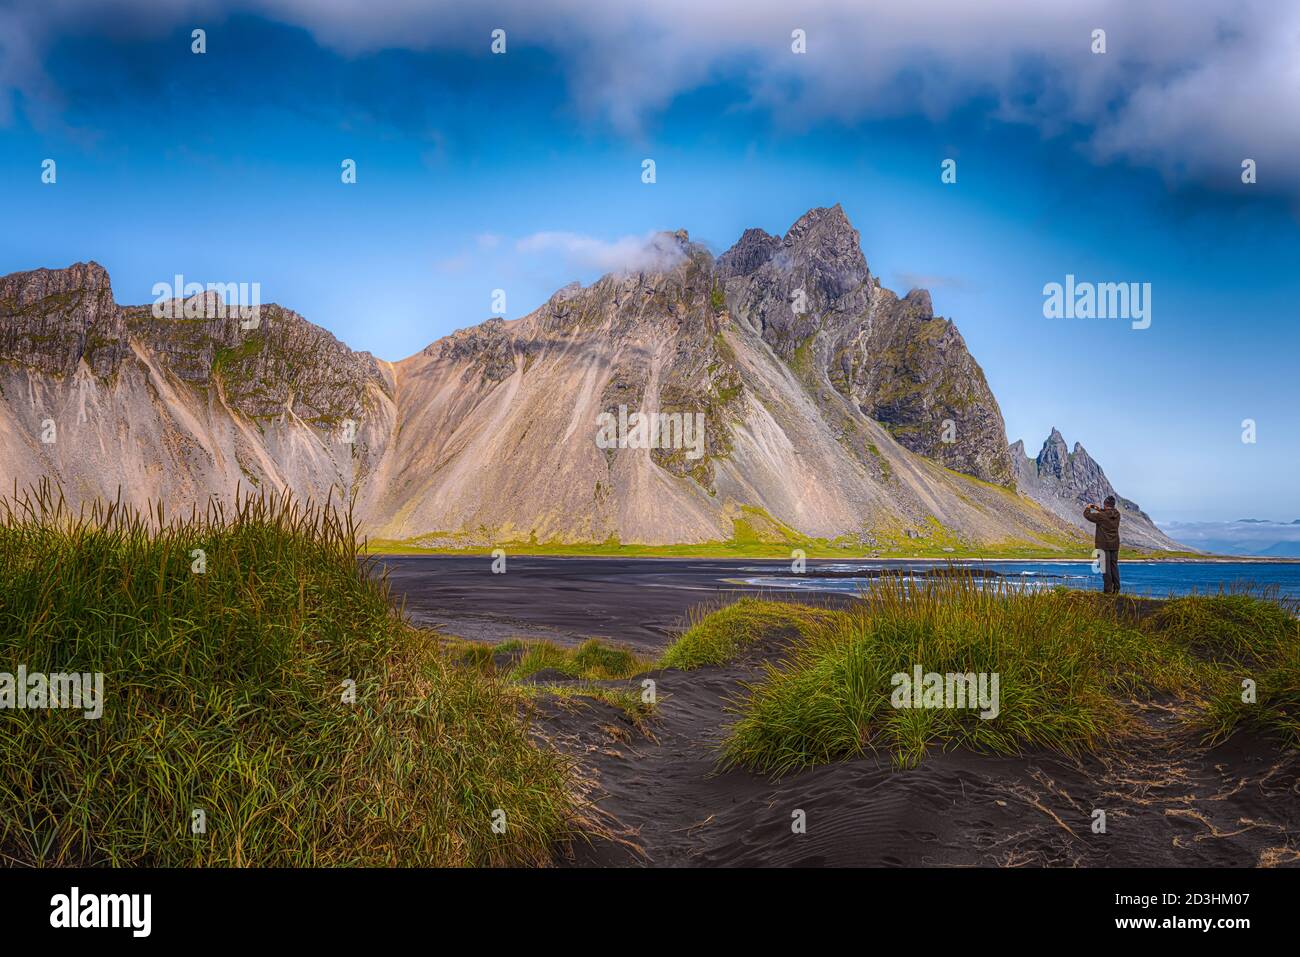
1167	799
637	602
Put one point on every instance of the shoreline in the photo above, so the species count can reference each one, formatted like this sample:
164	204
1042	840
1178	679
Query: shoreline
643	603
533	552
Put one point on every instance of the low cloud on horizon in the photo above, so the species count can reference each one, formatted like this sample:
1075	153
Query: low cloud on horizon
1242	537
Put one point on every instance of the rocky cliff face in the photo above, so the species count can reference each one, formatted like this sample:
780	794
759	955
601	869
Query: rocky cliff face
282	364
813	299
110	401
825	405
1064	482
52	319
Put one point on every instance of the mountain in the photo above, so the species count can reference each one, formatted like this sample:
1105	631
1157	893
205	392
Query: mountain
890	358
1282	550
1064	482
104	398
829	406
1246	536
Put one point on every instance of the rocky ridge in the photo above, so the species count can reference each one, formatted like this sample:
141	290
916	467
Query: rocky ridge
833	408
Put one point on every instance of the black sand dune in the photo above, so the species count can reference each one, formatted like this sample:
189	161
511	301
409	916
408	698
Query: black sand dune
1168	800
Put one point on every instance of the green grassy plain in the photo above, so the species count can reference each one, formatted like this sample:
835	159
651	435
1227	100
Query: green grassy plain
756	534
744	549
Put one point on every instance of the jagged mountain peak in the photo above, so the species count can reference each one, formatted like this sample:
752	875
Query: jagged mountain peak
918	304
788	287
811	296
822	221
80	275
822	242
754	248
1064	481
1054	456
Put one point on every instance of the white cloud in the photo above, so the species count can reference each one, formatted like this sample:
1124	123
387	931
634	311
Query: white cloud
653	252
931	281
1245	537
1189	88
453	264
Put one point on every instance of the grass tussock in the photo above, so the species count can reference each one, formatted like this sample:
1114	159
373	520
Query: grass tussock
721	636
593	660
586	671
520	659
630	701
1067	666
1228	627
226	679
1252	652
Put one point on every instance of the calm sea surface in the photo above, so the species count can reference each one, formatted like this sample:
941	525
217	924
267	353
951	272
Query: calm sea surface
1153	579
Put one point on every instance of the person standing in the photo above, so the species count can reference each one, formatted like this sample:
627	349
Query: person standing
1106	541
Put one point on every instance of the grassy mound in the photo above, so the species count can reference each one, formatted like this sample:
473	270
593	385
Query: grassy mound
1243	640
229	644
723	635
593	660
1066	665
1226	627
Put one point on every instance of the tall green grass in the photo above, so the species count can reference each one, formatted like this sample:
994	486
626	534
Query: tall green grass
590	671
1069	665
225	694
593	660
1062	667
1243	639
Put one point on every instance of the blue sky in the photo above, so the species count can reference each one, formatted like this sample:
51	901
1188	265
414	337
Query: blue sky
225	167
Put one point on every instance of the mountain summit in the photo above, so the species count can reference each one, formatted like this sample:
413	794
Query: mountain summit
812	298
796	391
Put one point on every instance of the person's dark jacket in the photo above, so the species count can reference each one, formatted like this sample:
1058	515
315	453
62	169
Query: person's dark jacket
1107	522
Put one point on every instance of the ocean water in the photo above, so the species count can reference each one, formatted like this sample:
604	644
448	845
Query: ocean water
1149	579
